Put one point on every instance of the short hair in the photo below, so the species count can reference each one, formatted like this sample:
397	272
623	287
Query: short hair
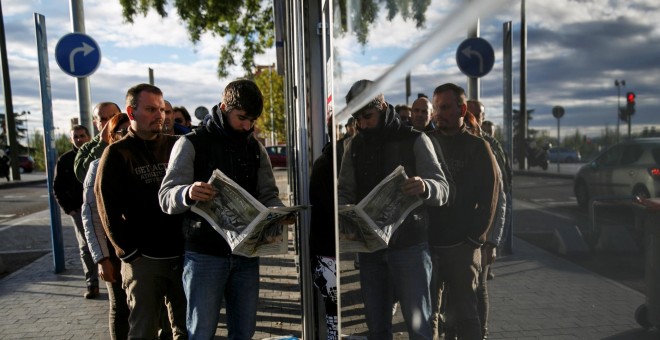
358	87
184	112
458	91
133	93
398	108
101	105
80	127
243	94
167	102
351	121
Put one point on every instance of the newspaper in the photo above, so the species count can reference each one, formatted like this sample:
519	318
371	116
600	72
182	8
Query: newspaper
369	225
250	228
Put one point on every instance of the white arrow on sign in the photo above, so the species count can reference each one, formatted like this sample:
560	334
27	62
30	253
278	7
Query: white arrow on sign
85	48
468	52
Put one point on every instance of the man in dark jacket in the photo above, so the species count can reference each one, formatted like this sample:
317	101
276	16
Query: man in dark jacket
69	195
404	267
148	241
211	272
458	231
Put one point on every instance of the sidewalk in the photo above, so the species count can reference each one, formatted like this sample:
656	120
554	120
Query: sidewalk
534	295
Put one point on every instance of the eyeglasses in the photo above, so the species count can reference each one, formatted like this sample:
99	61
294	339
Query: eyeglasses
121	132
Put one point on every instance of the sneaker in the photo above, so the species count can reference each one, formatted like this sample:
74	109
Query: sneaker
395	306
92	292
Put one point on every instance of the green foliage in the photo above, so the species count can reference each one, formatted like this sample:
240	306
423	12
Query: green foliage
37	151
249	26
271	85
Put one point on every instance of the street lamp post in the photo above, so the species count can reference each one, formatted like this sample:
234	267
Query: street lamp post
618	85
27	130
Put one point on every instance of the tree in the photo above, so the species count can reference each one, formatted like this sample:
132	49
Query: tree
249	26
271	85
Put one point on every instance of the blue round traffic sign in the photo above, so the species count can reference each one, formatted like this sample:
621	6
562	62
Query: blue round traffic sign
77	54
475	57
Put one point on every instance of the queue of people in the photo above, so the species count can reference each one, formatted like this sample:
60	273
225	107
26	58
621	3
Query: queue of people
168	272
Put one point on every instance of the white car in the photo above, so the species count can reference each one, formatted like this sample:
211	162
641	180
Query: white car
630	168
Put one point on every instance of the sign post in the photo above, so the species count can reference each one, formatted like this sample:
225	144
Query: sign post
558	112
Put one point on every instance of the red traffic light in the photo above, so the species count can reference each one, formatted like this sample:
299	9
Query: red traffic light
630	97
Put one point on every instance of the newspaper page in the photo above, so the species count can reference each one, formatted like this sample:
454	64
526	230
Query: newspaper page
369	225
250	228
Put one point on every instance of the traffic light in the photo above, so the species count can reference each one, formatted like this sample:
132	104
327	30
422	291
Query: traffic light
630	103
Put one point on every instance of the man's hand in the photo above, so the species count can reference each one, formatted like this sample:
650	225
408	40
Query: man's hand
488	254
105	133
413	186
107	270
201	191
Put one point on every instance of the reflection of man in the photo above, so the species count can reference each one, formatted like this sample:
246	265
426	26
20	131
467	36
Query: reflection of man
404	267
422	109
69	194
211	272
459	230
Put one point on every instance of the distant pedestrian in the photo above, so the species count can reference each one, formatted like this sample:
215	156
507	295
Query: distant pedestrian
404	112
422	114
69	195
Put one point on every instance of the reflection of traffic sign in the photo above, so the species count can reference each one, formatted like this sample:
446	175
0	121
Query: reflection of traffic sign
78	55
558	112
201	112
475	57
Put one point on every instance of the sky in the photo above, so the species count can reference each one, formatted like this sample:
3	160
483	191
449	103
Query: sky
576	51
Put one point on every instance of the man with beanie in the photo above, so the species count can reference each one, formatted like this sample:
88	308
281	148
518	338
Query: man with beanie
211	272
403	269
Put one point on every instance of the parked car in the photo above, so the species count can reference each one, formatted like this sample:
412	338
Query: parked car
277	155
563	155
628	168
25	163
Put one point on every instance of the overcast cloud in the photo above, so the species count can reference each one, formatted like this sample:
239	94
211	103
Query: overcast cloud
576	49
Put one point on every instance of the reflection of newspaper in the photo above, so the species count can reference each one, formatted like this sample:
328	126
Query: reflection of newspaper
248	226
369	225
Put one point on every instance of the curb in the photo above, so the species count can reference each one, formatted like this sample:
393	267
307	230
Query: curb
21	183
542	174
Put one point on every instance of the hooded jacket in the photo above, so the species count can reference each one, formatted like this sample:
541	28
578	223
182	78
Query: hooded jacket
215	146
374	153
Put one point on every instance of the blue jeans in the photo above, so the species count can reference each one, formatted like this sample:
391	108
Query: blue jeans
207	279
405	273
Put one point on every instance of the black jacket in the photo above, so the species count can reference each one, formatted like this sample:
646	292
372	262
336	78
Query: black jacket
66	187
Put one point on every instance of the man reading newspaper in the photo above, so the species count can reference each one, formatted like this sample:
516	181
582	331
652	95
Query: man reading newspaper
404	267
211	272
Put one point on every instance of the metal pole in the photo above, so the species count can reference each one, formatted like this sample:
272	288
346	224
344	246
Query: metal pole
474	84
507	59
51	152
82	84
151	76
272	115
558	143
9	106
522	160
618	108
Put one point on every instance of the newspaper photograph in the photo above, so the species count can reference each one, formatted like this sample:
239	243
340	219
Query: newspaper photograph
250	228
369	225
